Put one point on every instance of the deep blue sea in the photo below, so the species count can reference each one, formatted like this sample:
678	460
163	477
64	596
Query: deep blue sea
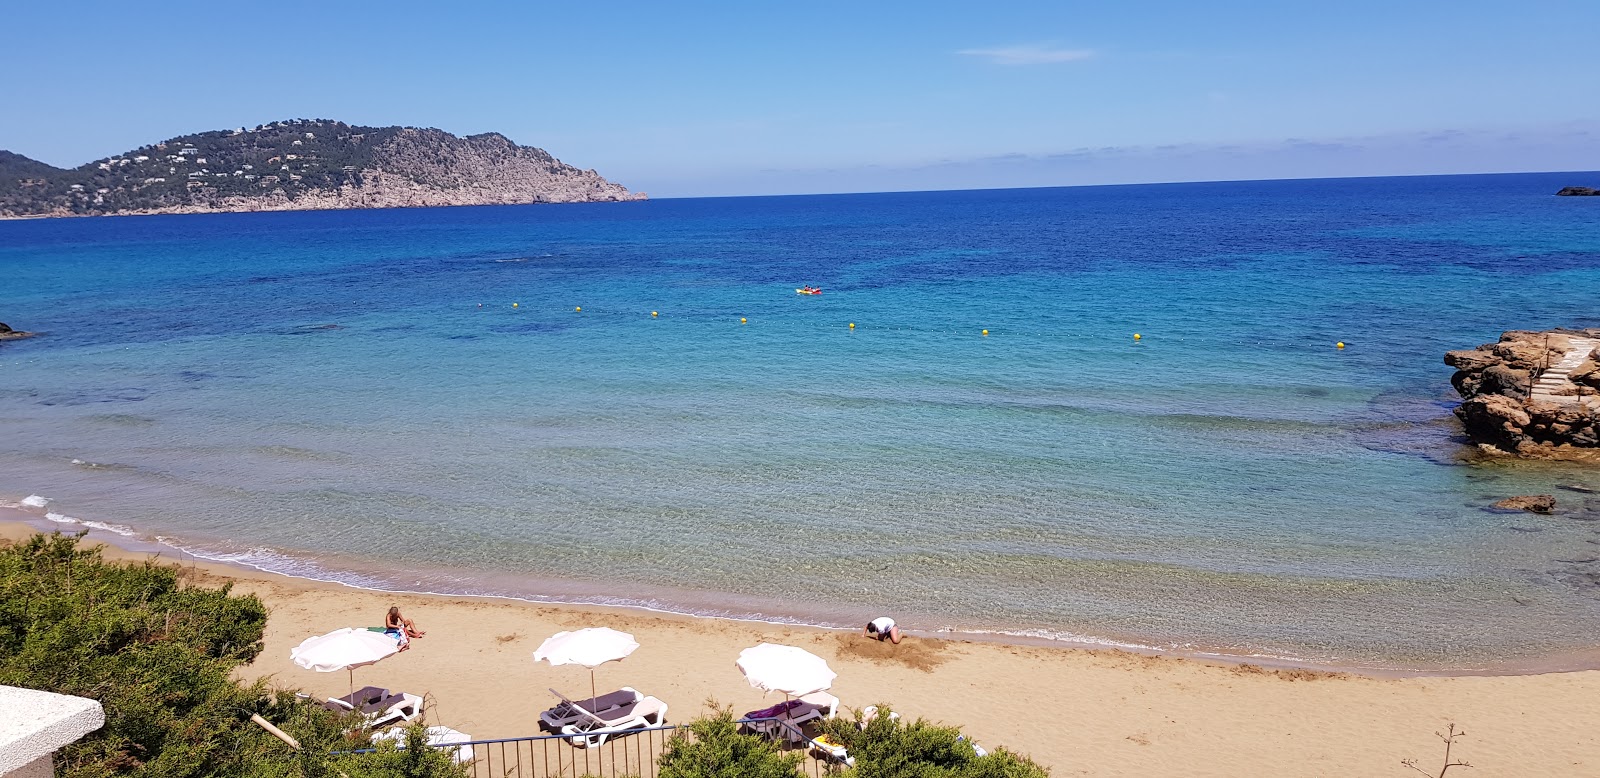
411	399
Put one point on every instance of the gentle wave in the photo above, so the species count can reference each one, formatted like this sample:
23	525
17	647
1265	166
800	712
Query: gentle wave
287	565
278	563
34	503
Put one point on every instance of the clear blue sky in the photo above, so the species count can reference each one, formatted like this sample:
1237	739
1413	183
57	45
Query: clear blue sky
690	98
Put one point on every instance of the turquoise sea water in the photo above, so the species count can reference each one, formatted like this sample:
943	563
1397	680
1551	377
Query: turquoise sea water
322	394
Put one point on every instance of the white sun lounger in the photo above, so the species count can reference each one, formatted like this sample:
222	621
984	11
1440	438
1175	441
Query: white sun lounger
813	707
594	728
388	709
443	738
564	713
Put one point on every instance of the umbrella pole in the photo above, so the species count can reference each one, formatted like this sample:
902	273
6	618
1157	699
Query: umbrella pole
352	680
592	695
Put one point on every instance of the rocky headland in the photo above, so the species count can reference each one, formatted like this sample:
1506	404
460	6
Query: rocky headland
307	164
1578	191
1532	394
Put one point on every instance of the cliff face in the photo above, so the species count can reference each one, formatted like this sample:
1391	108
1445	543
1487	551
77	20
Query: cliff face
1534	394
302	165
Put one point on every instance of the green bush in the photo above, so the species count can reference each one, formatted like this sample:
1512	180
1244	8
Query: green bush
157	654
887	748
714	748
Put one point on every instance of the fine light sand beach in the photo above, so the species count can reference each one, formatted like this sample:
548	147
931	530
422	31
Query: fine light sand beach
1079	712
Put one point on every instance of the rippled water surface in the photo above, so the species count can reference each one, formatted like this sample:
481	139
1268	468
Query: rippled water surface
409	398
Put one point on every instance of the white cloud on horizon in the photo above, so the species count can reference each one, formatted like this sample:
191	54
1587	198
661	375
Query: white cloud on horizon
1028	54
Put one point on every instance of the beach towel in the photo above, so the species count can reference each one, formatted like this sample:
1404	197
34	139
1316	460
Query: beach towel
774	711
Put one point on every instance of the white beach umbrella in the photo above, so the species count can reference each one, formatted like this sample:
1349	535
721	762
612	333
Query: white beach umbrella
793	671
343	649
590	647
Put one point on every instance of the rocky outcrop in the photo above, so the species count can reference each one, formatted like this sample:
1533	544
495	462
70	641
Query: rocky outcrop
1578	191
6	333
1534	394
1533	503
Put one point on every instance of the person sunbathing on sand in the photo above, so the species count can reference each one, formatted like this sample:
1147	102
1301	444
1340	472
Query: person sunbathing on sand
401	627
883	627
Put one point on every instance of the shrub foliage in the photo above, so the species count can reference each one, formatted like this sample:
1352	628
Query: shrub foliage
888	748
157	654
713	747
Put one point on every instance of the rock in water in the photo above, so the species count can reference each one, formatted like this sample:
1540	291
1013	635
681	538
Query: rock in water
6	333
1518	396
1578	191
1534	503
1494	419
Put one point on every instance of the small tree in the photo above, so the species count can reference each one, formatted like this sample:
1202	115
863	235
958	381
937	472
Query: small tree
1449	740
714	748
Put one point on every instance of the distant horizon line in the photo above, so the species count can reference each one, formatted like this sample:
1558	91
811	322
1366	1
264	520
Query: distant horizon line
1595	172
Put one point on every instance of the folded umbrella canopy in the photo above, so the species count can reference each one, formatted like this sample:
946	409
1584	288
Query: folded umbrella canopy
590	647
343	649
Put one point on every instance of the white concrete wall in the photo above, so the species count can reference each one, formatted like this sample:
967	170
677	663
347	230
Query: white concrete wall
33	724
38	768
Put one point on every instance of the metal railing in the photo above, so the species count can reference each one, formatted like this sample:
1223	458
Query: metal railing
623	755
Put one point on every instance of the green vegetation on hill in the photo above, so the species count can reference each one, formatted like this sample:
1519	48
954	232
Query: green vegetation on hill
273	165
14	168
292	157
157	654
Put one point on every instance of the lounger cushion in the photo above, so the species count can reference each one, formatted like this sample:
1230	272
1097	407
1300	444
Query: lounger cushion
564	713
594	729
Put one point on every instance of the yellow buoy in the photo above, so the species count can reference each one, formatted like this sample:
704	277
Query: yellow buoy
986	332
1135	336
653	313
741	320
852	325
513	305
1340	344
578	308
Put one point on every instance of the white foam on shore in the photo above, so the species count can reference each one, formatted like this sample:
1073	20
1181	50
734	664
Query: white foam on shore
1059	636
268	561
34	501
116	529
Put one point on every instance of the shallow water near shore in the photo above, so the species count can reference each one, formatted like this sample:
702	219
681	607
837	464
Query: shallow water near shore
322	394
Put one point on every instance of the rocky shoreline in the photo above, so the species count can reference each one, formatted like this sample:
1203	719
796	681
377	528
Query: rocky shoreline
1532	394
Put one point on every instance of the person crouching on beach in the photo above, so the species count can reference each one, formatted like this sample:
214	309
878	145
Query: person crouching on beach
401	628
883	628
